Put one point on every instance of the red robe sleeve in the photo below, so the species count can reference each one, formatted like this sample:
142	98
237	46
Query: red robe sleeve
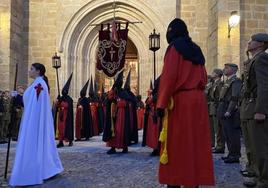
168	78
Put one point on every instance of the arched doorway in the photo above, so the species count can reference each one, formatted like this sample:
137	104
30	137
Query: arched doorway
131	64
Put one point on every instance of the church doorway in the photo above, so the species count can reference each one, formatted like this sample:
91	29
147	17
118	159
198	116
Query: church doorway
131	64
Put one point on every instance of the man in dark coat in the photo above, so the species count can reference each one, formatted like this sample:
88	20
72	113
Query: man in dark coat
229	114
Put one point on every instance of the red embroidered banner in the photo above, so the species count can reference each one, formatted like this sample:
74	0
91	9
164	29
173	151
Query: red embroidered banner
112	49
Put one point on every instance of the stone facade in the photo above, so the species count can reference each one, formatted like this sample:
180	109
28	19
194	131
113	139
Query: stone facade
32	30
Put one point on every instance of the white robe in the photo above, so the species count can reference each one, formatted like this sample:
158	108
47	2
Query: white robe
36	153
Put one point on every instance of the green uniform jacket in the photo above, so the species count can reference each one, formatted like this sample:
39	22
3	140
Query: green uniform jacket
256	86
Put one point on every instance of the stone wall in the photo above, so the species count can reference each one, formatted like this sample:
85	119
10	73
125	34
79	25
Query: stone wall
5	12
32	30
254	19
195	14
18	42
212	55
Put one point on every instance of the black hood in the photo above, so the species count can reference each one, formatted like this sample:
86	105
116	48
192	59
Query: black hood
178	36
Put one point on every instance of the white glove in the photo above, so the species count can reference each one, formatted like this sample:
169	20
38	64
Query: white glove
13	93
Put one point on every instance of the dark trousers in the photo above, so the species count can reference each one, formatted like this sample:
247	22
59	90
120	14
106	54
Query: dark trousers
260	142
248	140
212	131
218	128
232	133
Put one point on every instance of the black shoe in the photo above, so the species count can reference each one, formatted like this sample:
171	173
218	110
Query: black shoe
155	153
250	183
111	151
77	140
60	144
173	186
125	150
70	144
218	151
231	160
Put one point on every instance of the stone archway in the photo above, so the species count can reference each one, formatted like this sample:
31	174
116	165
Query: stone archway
79	41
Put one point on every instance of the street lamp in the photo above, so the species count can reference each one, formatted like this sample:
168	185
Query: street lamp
56	63
154	44
233	21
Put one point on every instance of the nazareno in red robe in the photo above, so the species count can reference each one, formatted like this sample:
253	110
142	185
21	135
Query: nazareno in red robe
78	121
94	116
61	120
119	127
188	136
153	128
140	116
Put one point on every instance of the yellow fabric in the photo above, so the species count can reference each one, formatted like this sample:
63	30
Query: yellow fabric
163	134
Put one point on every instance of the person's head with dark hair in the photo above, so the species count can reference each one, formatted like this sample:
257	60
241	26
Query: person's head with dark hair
178	37
176	28
38	69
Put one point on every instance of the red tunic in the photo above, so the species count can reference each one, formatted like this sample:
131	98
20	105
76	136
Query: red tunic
188	140
61	117
140	117
153	128
93	108
78	121
118	140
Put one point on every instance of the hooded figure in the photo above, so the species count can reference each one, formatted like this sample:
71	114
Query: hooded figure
131	105
64	116
152	123
108	131
180	99
117	131
83	117
93	104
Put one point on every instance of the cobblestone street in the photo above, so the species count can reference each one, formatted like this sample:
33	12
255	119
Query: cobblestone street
87	165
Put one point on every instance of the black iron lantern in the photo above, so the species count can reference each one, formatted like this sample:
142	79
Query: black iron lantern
56	63
154	41
154	44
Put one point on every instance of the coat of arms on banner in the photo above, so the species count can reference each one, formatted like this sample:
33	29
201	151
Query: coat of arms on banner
112	49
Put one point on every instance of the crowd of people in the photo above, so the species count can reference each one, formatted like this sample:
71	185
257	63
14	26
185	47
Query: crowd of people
186	116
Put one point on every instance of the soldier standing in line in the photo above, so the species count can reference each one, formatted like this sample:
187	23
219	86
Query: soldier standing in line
249	170
229	114
210	113
256	108
5	116
19	110
214	96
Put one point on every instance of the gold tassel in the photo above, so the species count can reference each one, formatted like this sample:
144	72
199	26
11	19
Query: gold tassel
163	134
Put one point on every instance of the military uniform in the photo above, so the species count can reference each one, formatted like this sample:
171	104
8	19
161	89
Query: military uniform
5	119
214	96
256	101
245	125
208	91
231	125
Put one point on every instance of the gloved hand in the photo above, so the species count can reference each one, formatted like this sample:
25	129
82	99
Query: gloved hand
160	112
13	93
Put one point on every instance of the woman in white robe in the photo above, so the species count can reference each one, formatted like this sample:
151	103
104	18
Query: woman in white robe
36	157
